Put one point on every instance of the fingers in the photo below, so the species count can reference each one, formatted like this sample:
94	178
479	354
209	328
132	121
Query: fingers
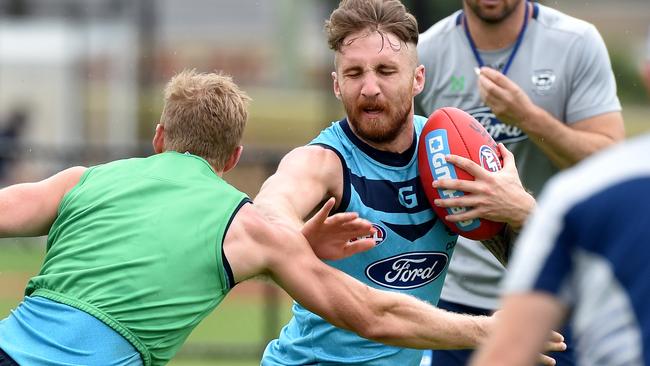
466	186
546	360
555	343
349	225
349	221
324	211
358	246
467	215
556	337
494	76
558	346
467	165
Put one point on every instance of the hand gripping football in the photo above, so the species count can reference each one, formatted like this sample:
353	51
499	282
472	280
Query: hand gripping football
452	131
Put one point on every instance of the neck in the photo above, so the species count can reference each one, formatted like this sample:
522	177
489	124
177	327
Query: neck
494	36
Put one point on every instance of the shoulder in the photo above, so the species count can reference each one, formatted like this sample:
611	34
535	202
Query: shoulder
438	31
312	156
555	20
66	179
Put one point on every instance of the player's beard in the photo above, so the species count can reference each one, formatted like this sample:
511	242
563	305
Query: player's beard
386	125
492	18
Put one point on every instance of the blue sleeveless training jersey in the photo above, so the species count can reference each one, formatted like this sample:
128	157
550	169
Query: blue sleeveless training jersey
413	248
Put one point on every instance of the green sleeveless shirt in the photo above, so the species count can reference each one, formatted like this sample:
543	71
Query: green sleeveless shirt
137	243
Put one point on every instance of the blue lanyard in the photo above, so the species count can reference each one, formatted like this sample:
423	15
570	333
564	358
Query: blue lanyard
514	50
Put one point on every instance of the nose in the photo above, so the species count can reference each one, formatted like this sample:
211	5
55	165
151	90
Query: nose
370	87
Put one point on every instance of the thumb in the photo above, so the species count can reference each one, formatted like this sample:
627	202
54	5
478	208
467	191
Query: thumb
508	157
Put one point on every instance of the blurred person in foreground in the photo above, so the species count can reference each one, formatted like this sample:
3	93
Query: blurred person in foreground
368	162
140	250
545	89
583	258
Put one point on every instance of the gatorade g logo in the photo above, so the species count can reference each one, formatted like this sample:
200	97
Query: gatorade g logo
437	148
407	197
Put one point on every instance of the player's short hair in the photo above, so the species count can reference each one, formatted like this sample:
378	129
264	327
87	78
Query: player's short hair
383	16
205	115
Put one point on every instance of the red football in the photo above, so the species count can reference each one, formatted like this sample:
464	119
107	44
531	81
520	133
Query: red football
453	131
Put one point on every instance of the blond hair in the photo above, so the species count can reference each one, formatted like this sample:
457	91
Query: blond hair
382	16
205	115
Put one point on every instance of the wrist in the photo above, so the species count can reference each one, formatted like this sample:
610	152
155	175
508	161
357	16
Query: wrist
525	208
482	326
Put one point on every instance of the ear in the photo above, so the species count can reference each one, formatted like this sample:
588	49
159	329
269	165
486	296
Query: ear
418	80
335	86
233	159
159	139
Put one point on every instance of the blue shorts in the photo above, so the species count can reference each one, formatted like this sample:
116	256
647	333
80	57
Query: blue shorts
461	357
42	332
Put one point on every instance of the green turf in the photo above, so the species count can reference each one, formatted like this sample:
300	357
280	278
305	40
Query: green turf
21	255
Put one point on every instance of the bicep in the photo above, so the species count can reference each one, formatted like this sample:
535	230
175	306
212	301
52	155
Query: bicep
29	209
304	178
254	246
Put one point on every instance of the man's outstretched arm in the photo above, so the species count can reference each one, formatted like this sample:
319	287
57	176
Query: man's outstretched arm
29	209
255	246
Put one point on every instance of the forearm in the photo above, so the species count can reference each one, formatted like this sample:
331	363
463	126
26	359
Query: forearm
564	145
431	328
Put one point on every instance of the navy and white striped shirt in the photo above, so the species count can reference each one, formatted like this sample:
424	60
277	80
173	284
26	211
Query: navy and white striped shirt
588	243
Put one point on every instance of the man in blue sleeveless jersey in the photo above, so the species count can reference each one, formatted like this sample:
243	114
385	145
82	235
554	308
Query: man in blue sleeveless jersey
368	162
545	89
585	253
140	250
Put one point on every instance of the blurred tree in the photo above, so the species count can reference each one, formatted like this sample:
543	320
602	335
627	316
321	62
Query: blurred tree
15	8
427	12
628	81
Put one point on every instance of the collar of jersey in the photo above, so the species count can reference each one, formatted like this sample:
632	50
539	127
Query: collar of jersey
384	157
190	155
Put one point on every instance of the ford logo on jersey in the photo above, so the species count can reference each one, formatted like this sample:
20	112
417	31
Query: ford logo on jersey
408	270
499	131
437	148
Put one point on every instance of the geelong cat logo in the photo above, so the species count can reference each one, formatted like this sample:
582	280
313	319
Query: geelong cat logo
407	271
